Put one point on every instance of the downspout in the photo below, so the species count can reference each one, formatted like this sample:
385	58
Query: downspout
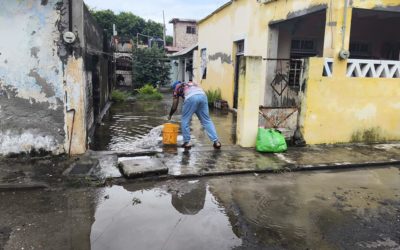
70	15
73	111
344	54
344	27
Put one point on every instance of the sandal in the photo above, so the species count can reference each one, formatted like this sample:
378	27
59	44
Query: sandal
187	145
217	145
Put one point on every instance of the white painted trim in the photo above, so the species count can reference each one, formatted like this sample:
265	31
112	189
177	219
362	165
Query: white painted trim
328	67
373	68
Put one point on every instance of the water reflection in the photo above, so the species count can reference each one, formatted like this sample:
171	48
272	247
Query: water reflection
189	201
165	218
325	210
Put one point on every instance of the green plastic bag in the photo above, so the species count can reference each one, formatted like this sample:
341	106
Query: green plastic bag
270	141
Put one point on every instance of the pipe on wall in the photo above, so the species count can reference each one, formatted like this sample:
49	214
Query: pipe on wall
344	27
73	111
70	17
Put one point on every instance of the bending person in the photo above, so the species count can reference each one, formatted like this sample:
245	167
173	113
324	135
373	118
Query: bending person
194	102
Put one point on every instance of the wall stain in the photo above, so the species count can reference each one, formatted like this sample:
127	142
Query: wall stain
300	13
224	57
368	135
307	11
46	87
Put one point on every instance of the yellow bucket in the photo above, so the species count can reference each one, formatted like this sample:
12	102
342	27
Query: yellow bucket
170	134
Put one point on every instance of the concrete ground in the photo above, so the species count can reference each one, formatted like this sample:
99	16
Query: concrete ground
172	162
329	209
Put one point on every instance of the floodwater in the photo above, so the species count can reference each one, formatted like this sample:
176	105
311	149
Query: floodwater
136	125
326	210
358	209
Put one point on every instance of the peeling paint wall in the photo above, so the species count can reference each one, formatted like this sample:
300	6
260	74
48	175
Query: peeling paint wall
31	77
45	88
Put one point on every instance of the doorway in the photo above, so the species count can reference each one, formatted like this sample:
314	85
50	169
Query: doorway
239	57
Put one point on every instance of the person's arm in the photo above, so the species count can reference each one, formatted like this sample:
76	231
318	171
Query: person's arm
174	107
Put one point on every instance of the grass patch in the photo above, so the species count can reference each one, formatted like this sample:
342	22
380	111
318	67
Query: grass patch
148	93
213	95
119	96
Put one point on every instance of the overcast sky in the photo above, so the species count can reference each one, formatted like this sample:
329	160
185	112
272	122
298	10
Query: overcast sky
152	9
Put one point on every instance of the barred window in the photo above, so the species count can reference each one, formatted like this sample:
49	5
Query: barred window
191	30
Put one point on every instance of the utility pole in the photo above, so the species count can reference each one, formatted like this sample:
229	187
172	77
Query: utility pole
164	36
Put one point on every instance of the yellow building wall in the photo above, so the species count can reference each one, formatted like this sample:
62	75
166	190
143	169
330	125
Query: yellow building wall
343	109
249	20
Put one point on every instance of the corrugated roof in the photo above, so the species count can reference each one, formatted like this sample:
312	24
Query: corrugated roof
184	20
184	51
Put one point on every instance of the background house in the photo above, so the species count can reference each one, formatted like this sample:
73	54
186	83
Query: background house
52	89
185	32
185	40
123	48
291	57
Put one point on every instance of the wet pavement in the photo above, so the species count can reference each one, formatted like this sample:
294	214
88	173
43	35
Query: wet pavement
357	209
136	126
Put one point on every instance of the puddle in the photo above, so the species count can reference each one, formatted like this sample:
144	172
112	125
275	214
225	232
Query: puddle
158	219
325	210
137	125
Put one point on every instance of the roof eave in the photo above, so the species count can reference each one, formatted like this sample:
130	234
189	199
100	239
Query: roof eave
215	12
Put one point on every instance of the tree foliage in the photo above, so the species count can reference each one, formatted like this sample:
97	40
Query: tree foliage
128	24
150	66
169	40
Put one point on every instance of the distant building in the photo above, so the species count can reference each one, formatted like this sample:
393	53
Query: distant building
54	76
122	48
185	32
185	43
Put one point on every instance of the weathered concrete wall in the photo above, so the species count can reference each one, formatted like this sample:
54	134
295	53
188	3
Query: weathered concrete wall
31	77
46	94
181	38
96	68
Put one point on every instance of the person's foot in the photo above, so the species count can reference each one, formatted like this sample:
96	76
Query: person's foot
187	145
217	145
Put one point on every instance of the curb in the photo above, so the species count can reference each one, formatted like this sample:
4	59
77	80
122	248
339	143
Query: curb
289	168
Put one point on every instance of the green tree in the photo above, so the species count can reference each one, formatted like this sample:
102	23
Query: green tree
128	24
150	66
169	40
106	19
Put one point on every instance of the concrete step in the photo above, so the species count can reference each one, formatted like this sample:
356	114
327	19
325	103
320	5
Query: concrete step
135	167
